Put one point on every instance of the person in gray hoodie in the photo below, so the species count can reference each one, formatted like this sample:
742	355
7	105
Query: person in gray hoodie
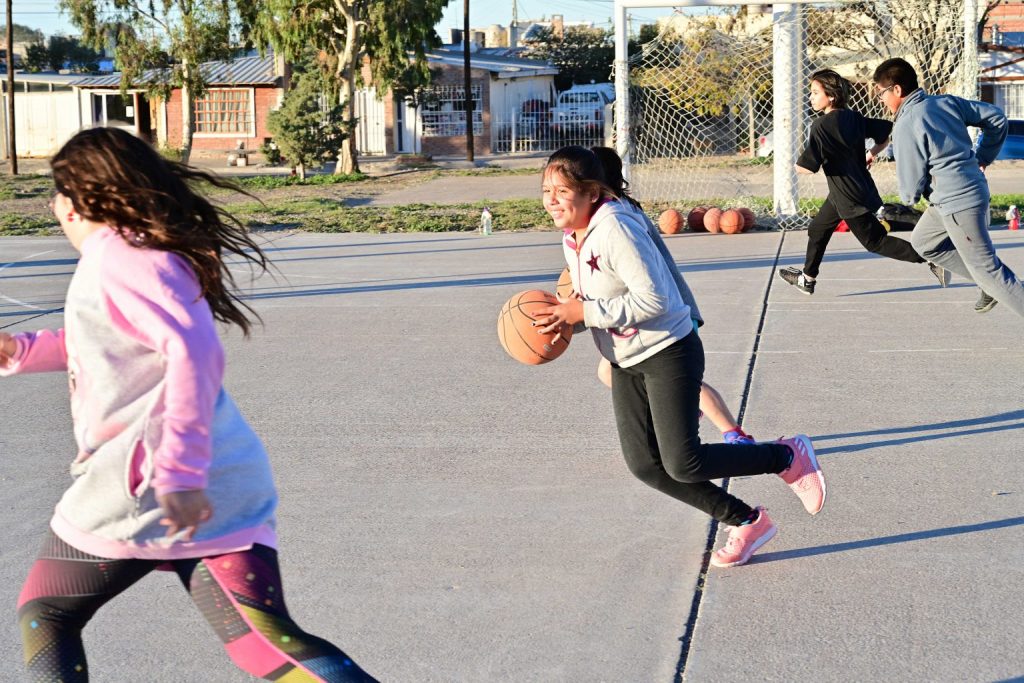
627	295
936	160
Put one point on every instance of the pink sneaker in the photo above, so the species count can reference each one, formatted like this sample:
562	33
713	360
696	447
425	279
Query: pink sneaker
743	541
804	475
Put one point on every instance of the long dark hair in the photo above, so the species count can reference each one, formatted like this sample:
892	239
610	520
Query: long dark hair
115	178
581	169
611	163
836	88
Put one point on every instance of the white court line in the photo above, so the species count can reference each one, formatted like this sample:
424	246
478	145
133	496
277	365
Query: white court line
16	302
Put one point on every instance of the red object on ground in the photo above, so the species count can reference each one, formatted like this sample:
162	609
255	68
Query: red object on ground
843	227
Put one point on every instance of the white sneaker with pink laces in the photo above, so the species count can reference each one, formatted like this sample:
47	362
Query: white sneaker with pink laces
804	474
744	540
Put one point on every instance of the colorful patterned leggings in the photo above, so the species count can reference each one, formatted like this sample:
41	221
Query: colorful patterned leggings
239	594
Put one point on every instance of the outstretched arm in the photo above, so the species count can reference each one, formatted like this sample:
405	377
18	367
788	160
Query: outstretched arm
26	352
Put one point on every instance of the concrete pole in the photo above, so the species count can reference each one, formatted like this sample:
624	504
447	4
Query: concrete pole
622	87
786	101
970	66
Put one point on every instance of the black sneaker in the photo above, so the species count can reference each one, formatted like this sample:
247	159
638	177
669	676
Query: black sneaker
797	279
941	274
985	303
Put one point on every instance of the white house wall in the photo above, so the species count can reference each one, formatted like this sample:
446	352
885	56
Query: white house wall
44	121
508	94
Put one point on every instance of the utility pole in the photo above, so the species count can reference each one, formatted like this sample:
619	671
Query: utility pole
513	29
12	152
468	79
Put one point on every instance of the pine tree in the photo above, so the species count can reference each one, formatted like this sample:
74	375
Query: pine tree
307	128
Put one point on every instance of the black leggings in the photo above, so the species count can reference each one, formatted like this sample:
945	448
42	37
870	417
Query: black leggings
657	410
865	227
239	594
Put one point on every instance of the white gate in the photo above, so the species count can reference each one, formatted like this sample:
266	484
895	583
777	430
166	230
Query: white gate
370	131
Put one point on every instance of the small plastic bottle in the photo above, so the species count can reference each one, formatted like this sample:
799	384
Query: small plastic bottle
486	221
1013	216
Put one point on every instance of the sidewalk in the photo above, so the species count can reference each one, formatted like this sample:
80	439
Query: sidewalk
449	515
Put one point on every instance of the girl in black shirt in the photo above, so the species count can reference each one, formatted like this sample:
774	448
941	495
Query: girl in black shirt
836	145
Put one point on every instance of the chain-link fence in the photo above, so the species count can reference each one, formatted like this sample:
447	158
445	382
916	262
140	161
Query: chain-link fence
703	100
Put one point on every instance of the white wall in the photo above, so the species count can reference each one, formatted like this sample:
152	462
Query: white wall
507	94
44	121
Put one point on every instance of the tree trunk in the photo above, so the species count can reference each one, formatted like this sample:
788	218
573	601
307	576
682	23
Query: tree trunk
300	170
188	113
348	156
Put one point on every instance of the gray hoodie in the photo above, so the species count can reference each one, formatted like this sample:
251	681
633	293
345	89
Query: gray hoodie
935	158
631	301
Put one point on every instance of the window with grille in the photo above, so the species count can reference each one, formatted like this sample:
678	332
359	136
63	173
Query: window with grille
225	112
444	111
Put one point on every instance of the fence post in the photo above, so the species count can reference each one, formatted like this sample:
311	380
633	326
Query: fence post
513	148
786	102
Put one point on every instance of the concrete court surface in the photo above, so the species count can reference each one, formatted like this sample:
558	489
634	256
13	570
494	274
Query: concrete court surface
449	515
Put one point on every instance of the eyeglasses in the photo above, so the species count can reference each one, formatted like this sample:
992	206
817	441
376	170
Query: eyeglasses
883	91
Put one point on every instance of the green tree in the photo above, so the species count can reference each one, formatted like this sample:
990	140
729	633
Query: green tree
24	34
72	53
146	33
37	58
582	54
310	125
393	34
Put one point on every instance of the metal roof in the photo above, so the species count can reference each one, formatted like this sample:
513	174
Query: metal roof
240	71
502	67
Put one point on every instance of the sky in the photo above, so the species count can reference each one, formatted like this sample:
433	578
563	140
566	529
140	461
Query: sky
43	14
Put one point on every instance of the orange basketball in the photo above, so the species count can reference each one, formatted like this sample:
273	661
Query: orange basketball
748	218
696	218
731	222
670	221
520	339
564	287
711	219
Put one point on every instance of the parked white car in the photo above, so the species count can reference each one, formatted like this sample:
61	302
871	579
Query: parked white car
582	107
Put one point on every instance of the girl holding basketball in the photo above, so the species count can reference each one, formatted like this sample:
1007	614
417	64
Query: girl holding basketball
836	145
168	473
627	296
711	402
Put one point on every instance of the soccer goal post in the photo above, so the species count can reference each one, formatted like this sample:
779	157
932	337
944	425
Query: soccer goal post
711	106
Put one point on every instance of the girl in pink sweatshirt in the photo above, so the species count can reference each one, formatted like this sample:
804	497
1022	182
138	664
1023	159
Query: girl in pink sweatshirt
168	473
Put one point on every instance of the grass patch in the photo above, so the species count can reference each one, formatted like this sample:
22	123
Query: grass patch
271	182
326	215
15	224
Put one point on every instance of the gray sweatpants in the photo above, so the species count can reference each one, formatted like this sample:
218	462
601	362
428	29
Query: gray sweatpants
960	243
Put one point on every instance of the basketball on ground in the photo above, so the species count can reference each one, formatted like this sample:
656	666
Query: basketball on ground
564	287
731	222
712	218
748	218
670	222
696	218
520	338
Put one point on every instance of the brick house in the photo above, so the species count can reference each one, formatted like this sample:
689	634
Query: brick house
500	84
232	113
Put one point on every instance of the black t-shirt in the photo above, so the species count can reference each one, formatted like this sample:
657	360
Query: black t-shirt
837	146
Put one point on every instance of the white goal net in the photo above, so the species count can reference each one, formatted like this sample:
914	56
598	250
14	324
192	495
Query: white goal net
716	96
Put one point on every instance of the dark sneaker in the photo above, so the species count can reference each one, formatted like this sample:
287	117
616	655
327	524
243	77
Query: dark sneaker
985	303
941	274
797	279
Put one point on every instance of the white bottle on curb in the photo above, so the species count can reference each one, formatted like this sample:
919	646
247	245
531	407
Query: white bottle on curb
486	221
